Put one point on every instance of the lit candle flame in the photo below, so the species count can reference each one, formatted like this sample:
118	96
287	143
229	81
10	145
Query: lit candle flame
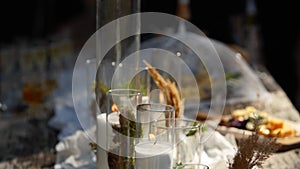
114	108
161	97
152	138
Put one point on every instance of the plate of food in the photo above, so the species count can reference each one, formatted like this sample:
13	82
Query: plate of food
243	122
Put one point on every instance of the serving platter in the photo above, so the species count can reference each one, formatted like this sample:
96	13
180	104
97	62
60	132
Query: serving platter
285	143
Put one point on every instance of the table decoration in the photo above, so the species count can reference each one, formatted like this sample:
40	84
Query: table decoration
186	135
117	138
190	166
153	148
147	114
153	154
169	90
253	151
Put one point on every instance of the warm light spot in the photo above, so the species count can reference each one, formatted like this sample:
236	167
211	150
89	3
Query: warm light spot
161	97
114	108
151	137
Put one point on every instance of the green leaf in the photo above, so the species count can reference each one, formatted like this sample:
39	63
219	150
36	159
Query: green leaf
179	165
230	76
203	128
192	131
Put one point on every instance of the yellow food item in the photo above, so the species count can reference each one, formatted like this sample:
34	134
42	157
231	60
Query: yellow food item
239	113
250	110
278	128
275	133
287	131
273	124
263	130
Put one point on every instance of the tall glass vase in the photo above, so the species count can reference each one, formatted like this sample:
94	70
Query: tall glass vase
110	11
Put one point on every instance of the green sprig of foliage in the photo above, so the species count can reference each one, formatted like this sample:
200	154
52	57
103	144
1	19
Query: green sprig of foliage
178	165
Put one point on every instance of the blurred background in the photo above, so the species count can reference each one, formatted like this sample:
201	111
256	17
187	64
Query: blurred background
41	39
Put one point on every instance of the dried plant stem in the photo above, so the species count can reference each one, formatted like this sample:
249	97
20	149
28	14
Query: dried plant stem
253	151
169	90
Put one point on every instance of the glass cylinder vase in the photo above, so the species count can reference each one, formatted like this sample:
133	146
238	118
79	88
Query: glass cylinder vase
117	129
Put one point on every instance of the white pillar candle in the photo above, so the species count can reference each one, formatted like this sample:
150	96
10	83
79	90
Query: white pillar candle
145	99
113	118
102	137
101	142
153	155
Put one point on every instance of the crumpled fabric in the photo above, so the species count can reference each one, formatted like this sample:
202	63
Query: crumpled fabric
218	150
74	152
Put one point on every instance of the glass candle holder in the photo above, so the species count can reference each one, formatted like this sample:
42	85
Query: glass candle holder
149	114
154	153
120	129
191	166
153	148
186	139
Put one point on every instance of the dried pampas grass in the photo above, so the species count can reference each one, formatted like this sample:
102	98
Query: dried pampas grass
168	89
253	151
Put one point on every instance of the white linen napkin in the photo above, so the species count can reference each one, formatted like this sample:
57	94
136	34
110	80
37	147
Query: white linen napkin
74	152
218	150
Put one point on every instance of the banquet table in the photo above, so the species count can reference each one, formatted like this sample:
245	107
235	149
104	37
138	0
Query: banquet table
28	142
